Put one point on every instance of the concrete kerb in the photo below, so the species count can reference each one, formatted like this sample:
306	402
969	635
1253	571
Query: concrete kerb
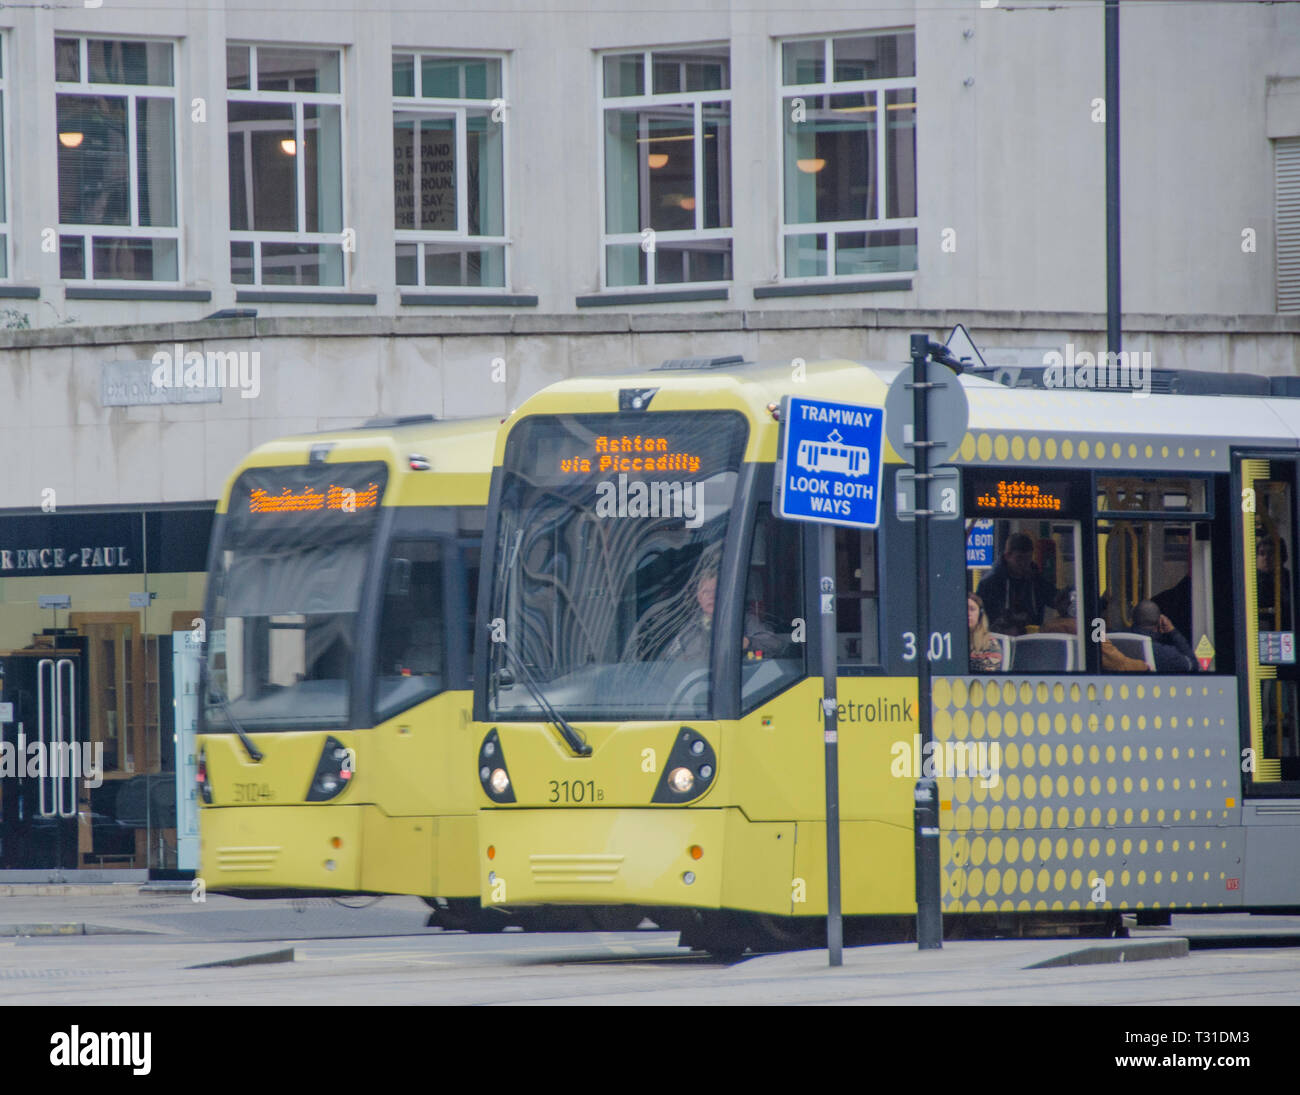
1118	950
75	928
267	958
70	889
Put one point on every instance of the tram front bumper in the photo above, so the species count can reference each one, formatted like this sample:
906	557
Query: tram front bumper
602	857
280	847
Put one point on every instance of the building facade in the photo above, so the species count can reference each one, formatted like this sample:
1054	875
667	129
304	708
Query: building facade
348	212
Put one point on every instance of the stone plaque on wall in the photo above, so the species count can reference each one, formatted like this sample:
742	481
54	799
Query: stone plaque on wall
130	384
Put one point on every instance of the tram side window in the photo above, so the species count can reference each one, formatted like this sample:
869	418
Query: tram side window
1155	573
774	643
470	523
857	604
411	651
1025	574
467	632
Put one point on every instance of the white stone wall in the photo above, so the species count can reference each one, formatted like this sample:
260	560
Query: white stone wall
336	373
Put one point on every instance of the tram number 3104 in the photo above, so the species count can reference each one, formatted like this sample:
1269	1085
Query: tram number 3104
940	646
578	790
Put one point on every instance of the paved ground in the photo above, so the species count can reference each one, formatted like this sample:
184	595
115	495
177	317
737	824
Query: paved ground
142	949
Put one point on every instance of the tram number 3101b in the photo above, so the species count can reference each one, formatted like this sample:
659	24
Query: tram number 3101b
940	646
563	790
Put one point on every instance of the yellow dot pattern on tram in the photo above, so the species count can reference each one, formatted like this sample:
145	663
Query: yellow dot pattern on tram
1029	447
1092	812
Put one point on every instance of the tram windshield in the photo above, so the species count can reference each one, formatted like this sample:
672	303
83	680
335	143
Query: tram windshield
285	596
608	547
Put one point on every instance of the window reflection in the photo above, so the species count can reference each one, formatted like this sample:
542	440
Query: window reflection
838	166
606	580
100	184
285	165
668	167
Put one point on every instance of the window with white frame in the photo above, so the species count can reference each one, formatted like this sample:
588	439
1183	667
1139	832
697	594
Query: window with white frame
284	124
449	149
115	102
666	122
849	155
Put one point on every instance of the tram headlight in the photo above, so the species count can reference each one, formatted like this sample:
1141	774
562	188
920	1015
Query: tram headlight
681	780
493	772
334	771
690	770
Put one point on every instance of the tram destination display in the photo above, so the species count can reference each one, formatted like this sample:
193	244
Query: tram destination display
324	490
669	447
1020	494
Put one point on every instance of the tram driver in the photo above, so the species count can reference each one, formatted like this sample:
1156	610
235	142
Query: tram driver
692	641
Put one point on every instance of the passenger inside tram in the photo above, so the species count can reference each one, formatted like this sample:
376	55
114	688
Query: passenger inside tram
1170	648
985	650
1273	583
1016	592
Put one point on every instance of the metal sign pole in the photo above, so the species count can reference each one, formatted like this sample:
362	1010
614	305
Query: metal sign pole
929	916
829	471
830	712
1114	317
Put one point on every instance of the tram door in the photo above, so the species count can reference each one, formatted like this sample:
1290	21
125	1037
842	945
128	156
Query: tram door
42	728
1268	544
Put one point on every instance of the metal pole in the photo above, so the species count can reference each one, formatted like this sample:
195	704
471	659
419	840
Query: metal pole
929	916
830	712
1113	315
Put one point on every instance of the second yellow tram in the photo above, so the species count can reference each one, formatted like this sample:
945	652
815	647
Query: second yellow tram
335	722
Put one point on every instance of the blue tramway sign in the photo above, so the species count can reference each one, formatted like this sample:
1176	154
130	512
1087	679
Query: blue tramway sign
830	462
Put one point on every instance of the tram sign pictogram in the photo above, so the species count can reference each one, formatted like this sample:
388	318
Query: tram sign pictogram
829	465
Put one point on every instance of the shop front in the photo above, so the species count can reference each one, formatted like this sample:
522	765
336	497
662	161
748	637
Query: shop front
99	646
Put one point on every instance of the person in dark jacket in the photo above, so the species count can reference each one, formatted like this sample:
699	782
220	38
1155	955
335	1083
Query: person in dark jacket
1016	593
1173	653
1176	603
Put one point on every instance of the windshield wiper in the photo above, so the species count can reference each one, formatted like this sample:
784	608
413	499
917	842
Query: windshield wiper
568	733
254	753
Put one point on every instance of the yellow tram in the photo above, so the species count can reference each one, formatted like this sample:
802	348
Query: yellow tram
648	706
335	724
